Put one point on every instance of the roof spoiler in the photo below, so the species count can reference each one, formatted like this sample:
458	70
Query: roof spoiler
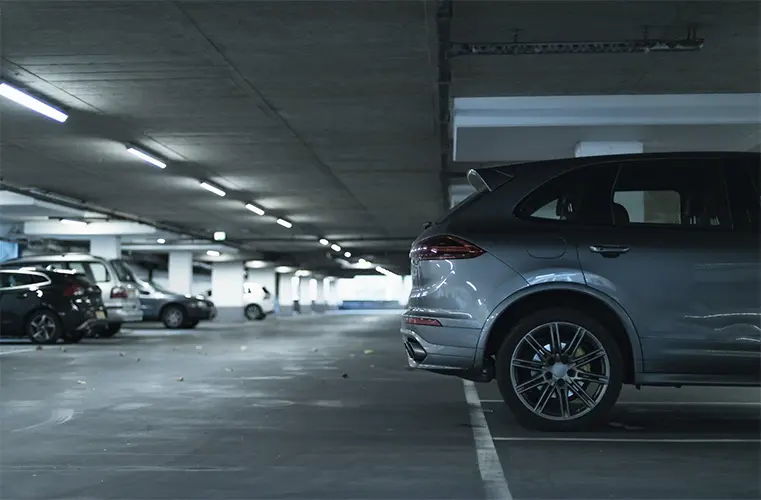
488	179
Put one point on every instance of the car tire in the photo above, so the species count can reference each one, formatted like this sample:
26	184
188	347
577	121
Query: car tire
43	327
546	382
110	330
174	317
74	337
254	312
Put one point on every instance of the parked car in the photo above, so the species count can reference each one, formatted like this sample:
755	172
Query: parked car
173	309
119	292
46	306
566	279
258	302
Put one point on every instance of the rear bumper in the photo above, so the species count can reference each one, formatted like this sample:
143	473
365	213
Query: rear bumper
122	315
93	324
443	359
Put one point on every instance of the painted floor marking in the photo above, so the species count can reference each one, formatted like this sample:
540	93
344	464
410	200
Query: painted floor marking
3	353
629	440
492	474
664	403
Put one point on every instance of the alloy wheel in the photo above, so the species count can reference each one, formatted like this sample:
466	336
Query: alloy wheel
560	371
173	318
43	328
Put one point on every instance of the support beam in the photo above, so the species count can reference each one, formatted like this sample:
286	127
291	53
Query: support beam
107	247
287	293
602	148
443	82
181	272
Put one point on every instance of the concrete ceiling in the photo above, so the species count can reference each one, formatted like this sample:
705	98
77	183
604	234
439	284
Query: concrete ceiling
321	112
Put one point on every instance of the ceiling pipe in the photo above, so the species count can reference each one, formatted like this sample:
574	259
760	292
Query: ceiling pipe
443	83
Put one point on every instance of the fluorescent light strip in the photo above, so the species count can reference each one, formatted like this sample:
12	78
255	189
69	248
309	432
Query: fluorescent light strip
72	222
284	223
335	247
212	253
161	241
324	242
385	271
32	103
254	208
146	157
220	236
347	254
212	188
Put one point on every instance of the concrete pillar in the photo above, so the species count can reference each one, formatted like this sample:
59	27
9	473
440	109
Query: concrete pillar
633	201
320	304
287	295
333	293
181	272
265	277
227	291
305	298
107	247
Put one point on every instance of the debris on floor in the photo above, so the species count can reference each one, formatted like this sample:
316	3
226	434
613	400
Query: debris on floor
228	369
181	379
137	360
81	382
369	351
39	347
345	375
199	347
314	349
121	354
243	348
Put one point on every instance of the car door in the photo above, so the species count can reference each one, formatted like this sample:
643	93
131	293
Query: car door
668	257
16	300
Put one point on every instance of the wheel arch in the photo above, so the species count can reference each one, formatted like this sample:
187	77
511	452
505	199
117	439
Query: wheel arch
38	309
600	306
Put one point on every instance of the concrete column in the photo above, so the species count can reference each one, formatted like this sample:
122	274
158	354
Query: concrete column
181	272
227	291
286	295
305	298
333	293
320	304
265	277
107	247
633	201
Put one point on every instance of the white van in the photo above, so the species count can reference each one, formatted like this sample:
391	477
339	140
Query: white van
258	302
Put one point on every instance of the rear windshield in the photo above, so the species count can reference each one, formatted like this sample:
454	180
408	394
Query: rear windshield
469	200
123	271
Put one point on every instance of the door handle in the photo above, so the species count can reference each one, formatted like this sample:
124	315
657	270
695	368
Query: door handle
609	250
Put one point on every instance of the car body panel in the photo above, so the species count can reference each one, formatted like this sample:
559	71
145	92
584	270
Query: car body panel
154	300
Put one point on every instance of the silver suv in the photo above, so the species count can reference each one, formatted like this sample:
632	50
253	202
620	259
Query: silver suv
566	279
120	293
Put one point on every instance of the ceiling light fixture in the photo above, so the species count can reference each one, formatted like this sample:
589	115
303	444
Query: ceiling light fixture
73	222
254	208
347	254
212	253
145	156
212	188
32	103
161	241
284	223
335	247
220	236
324	242
283	269
385	271
363	262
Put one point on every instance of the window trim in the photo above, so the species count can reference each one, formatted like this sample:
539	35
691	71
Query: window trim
47	280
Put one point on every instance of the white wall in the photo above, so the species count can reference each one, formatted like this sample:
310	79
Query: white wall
201	283
373	288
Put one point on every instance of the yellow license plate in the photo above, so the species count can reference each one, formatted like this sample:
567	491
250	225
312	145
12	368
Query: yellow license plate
100	314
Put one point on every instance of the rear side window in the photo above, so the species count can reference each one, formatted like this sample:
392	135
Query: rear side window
744	196
687	193
10	280
581	196
123	271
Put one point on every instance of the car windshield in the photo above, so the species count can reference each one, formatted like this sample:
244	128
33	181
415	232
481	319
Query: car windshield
160	288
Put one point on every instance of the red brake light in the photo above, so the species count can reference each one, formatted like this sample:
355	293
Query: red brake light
411	320
118	292
73	290
445	247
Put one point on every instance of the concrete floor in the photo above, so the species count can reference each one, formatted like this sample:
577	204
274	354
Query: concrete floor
263	411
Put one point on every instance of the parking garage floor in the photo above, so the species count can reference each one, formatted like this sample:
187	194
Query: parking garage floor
322	407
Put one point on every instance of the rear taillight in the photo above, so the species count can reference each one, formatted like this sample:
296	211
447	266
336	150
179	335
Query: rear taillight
73	290
445	247
411	320
118	292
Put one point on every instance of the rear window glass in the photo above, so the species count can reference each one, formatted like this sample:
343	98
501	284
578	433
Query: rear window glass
123	271
99	272
472	198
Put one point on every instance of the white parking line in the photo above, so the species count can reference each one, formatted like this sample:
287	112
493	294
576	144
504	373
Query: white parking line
630	440
3	353
665	403
492	475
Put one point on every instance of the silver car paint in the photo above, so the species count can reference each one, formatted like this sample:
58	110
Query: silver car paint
693	297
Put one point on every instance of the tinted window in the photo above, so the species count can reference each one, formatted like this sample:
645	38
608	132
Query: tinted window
99	272
743	182
8	280
682	193
78	267
582	196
